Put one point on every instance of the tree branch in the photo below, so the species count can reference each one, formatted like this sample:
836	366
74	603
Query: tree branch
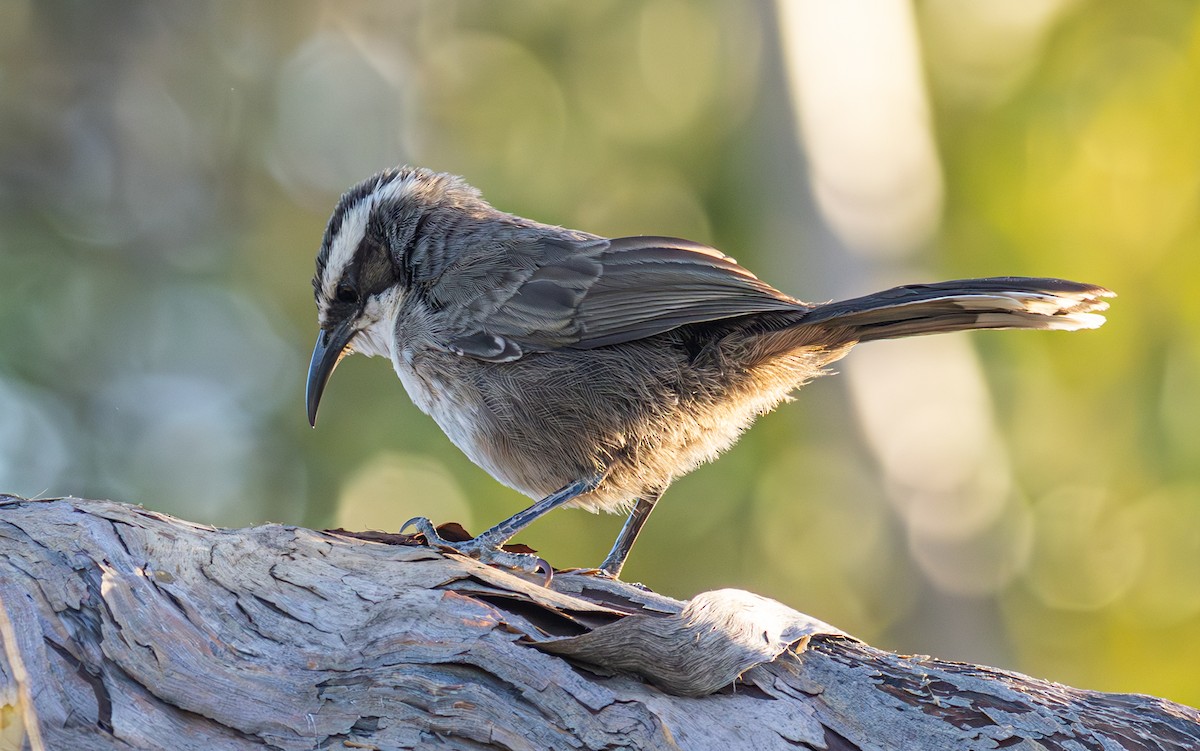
123	628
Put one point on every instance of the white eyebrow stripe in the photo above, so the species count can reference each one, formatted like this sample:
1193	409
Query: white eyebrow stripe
344	244
353	229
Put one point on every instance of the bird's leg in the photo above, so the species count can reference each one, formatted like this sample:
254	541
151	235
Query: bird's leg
486	546
633	525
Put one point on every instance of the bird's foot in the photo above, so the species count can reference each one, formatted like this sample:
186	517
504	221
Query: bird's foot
482	549
605	574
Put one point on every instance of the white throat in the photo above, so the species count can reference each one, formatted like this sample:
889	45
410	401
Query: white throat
375	335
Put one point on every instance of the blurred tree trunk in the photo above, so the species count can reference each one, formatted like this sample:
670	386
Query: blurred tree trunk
124	628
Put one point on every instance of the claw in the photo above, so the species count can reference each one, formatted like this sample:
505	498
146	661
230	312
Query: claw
482	550
545	566
424	527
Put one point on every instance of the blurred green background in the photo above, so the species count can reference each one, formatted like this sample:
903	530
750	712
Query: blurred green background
1028	500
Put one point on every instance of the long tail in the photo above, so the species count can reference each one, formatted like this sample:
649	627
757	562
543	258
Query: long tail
994	303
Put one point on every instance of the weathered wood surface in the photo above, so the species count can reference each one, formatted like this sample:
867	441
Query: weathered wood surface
123	629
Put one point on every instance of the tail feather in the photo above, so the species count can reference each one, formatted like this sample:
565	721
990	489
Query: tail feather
995	303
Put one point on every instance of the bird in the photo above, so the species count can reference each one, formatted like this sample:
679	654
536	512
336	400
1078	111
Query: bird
591	372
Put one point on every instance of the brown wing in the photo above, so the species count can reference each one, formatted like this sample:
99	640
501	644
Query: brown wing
595	292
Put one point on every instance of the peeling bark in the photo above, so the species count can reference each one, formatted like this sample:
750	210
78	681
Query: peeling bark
127	629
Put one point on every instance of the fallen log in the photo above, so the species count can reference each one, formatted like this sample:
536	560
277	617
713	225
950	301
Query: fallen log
123	628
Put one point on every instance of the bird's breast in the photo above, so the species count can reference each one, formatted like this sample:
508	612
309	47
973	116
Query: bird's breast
440	384
434	390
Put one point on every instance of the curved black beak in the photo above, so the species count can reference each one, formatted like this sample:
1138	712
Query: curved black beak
331	347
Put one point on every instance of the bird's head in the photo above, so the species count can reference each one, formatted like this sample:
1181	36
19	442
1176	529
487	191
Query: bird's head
377	245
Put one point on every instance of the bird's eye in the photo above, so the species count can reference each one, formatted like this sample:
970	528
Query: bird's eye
347	294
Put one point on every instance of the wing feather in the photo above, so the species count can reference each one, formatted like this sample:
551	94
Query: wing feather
590	292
